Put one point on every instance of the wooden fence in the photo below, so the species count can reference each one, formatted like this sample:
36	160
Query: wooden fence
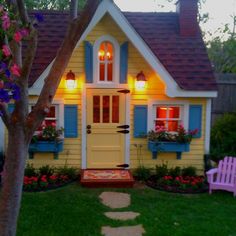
226	100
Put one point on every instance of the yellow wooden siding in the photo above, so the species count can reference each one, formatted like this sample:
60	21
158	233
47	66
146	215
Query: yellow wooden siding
155	90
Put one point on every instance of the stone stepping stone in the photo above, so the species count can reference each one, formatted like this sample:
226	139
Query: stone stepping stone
115	200
137	230
127	215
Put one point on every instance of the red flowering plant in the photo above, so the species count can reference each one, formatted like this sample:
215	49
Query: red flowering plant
160	134
48	133
182	183
47	177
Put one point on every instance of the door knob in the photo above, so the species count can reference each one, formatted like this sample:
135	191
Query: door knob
89	127
89	131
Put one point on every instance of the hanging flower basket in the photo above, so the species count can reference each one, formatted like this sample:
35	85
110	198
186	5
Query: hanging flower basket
157	147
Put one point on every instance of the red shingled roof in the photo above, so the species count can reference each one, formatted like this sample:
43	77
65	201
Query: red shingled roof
183	57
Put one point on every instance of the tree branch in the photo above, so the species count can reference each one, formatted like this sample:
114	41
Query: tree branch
73	9
22	12
29	56
5	114
75	31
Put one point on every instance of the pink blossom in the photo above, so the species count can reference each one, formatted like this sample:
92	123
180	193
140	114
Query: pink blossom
17	36
53	124
24	32
5	21
6	50
15	70
1	84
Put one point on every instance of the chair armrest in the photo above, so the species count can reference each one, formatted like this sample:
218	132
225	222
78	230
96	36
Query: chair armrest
210	174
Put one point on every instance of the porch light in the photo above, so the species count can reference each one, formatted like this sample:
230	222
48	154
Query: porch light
70	80
141	81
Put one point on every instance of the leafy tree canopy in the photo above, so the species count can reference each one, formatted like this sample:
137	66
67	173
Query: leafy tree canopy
222	52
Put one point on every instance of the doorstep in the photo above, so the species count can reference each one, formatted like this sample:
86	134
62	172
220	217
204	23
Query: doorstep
117	178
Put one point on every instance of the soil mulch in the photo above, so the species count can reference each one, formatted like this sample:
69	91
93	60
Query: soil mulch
153	183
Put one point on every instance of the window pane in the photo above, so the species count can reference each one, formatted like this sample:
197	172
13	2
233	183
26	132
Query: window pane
101	53
106	109
102	72
172	125
109	52
174	112
115	109
52	112
96	109
109	74
161	112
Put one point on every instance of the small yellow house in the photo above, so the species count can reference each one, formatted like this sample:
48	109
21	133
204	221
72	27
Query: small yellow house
131	72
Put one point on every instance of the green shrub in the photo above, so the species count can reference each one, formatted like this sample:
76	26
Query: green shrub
189	171
223	137
30	171
71	172
175	171
161	170
46	170
142	173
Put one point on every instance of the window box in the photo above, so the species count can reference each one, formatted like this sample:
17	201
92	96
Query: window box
156	147
46	146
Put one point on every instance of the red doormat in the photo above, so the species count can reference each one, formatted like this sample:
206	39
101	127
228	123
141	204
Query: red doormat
106	178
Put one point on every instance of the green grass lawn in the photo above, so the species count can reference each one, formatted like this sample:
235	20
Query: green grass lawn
76	211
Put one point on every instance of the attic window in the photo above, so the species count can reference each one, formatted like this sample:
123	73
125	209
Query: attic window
105	58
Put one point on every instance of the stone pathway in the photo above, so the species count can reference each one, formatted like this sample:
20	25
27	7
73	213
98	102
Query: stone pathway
116	200
126	215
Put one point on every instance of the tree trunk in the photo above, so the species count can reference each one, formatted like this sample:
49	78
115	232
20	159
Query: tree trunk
13	175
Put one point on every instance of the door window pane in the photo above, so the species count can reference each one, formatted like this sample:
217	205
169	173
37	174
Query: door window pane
106	109
96	109
115	109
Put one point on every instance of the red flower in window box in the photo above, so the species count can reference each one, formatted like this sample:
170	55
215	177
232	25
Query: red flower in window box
48	133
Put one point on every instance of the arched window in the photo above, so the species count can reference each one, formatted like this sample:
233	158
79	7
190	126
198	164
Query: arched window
106	62
105	58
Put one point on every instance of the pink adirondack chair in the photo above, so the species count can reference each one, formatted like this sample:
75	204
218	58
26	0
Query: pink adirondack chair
223	177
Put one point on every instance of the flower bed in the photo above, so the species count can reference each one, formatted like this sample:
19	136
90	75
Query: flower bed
179	184
46	178
42	183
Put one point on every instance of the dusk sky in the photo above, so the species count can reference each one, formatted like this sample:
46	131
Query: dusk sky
220	11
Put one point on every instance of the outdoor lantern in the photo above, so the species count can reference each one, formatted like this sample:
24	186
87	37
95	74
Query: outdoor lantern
70	80
140	82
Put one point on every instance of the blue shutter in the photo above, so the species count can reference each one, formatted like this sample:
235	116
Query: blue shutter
140	121
71	121
123	62
195	119
88	61
11	107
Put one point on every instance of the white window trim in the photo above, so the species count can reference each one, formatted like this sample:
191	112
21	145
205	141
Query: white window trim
153	103
116	61
59	111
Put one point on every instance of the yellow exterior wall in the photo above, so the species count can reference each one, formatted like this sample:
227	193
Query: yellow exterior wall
155	90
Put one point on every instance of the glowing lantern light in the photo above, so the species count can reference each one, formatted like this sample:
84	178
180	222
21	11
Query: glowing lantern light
141	81
70	80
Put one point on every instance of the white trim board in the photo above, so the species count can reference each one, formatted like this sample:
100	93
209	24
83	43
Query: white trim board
108	6
208	126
